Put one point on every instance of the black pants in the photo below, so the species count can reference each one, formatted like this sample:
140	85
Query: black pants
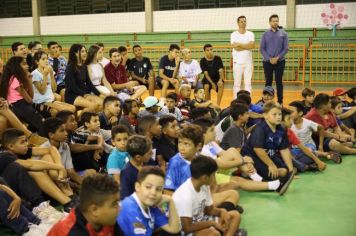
278	70
25	112
22	183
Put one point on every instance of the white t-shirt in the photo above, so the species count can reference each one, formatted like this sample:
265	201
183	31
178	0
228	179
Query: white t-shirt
190	203
189	71
244	56
48	96
211	149
305	132
104	61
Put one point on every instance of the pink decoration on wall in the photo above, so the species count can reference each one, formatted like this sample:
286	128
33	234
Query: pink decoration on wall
334	15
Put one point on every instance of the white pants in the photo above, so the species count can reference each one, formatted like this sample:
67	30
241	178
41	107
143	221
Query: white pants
246	70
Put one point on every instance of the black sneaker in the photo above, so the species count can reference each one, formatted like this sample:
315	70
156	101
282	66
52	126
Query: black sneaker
284	182
239	209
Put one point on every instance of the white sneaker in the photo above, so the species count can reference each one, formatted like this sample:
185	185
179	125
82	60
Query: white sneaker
47	213
38	230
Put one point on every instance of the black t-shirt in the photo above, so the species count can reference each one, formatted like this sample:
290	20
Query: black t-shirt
212	67
167	65
140	68
166	148
6	158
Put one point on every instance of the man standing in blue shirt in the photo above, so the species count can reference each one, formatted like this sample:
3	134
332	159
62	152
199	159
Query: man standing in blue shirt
274	46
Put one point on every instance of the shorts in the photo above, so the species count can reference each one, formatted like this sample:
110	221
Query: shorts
60	87
326	144
159	83
262	168
205	81
43	109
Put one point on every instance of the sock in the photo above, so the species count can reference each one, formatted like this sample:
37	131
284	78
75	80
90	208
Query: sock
256	177
227	206
273	185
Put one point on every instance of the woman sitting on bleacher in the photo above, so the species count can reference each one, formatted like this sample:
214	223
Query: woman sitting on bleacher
80	91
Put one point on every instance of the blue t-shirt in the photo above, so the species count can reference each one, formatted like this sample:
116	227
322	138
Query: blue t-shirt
116	161
263	137
133	220
128	179
178	171
256	108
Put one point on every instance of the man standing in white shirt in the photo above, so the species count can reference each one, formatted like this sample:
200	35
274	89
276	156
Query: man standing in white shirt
242	42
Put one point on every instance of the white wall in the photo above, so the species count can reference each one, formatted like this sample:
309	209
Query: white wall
96	23
216	19
16	26
183	20
310	15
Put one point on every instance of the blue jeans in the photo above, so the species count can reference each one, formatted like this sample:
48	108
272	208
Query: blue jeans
300	159
20	224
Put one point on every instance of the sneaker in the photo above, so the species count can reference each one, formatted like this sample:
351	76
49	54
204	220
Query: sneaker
37	230
47	213
284	182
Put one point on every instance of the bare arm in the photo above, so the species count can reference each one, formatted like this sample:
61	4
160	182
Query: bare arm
24	94
173	218
38	165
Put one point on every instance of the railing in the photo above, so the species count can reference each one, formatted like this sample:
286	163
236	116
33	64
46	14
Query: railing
332	64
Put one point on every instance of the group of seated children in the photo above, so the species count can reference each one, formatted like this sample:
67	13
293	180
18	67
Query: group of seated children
174	164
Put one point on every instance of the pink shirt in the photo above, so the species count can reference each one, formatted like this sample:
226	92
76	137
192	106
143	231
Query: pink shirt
12	94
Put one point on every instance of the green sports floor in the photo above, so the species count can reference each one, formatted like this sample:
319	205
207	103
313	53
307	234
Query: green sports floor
316	204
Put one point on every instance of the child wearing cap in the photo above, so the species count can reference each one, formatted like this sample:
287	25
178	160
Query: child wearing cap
267	95
348	114
151	107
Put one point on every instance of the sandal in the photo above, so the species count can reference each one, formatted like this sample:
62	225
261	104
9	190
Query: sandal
335	157
241	232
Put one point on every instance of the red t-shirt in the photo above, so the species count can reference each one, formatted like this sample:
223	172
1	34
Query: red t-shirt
292	138
115	75
328	123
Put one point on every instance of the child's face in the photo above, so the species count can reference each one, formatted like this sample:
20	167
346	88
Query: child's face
171	103
188	56
150	190
338	109
94	124
19	147
171	130
274	116
295	115
209	135
43	62
113	108
200	94
244	117
267	97
100	53
135	109
187	148
60	135
120	141
24	65
106	213
115	58
186	92
326	107
137	52
71	124
287	122
156	129
310	99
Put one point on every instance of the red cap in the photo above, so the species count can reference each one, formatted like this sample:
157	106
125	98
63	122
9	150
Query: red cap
339	92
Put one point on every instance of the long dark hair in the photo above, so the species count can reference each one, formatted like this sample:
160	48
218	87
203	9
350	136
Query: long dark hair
93	50
13	68
75	48
36	58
